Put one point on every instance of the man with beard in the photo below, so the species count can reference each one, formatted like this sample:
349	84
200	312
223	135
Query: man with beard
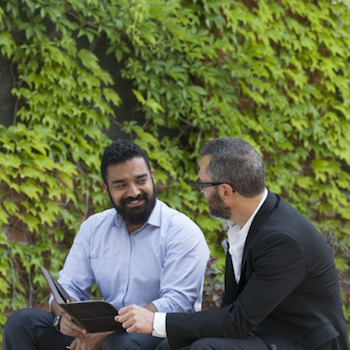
139	252
281	284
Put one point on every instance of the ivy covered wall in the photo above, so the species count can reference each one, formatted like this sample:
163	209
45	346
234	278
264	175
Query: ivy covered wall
168	75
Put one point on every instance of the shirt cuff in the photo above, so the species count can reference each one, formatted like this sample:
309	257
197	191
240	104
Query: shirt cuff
159	325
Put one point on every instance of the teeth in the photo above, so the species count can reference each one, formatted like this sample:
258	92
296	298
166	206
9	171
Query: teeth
135	201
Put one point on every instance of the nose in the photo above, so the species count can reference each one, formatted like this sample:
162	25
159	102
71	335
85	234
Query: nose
133	190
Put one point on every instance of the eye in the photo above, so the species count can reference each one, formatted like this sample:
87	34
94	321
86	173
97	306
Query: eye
119	186
142	181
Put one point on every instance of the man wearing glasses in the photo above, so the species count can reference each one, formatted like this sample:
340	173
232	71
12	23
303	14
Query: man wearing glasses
281	286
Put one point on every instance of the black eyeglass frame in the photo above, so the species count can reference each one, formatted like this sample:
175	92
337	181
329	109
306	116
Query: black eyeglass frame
200	185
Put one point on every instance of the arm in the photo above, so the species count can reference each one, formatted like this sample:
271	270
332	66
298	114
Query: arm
183	270
77	277
278	268
67	325
83	340
150	307
75	269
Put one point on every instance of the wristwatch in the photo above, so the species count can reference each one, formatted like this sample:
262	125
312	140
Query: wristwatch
57	321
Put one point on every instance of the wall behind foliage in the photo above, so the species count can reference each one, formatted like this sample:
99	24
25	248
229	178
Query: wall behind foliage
168	75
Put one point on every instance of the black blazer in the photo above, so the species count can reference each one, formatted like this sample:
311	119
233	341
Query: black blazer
288	293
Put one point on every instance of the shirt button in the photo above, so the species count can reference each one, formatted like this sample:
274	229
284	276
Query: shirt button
124	263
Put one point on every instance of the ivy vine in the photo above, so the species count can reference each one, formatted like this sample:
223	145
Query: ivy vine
273	72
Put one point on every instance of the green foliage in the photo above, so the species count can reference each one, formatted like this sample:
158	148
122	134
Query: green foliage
273	72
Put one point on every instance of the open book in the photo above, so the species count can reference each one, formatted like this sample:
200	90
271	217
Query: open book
93	315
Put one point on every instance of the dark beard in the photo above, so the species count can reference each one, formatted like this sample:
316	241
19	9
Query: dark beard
137	215
217	209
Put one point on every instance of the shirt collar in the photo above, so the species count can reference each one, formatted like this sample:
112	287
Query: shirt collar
244	230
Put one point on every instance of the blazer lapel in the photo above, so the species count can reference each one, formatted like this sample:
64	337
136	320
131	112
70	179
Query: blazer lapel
231	287
265	210
230	282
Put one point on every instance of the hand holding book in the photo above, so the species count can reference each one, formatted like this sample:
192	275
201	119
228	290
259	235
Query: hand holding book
93	315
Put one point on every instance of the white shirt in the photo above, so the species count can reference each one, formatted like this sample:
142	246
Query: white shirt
236	237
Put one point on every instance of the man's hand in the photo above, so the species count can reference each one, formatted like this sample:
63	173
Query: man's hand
69	327
67	324
91	342
136	319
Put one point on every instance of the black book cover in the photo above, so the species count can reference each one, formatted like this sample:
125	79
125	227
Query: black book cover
93	315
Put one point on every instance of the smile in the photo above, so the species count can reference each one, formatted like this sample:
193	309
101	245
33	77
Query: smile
135	202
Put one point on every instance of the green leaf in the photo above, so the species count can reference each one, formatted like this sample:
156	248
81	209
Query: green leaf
7	44
88	59
31	189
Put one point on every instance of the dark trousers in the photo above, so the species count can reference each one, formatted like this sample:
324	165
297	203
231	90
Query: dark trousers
247	343
31	329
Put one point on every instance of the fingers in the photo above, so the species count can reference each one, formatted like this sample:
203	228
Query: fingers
136	319
127	309
69	327
126	317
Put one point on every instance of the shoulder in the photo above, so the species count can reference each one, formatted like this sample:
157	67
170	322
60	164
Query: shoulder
178	227
107	214
288	233
277	215
102	219
174	217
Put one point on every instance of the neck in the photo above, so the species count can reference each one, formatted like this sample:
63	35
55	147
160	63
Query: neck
132	228
245	209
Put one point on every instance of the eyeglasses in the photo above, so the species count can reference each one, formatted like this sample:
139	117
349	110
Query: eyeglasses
200	185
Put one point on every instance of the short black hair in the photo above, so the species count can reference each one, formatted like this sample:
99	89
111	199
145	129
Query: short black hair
121	151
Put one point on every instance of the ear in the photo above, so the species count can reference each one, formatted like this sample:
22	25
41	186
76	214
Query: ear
152	174
105	188
227	192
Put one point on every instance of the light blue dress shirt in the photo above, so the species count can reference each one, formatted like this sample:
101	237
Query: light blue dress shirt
163	262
